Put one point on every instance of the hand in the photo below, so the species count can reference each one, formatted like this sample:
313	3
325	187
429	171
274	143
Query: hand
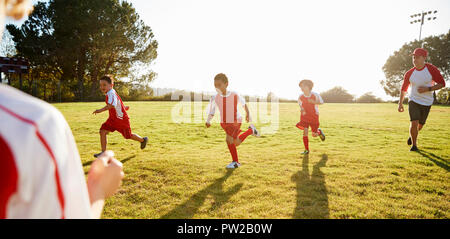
247	118
400	108
96	112
208	124
422	89
127	108
104	177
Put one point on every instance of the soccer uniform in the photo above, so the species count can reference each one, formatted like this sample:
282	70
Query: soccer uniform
41	175
311	118
230	118
420	103
118	119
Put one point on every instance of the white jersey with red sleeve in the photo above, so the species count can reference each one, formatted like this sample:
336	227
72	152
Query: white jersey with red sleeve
41	175
118	112
425	77
228	107
311	110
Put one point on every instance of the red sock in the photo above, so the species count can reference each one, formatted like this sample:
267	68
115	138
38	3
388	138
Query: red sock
244	135
233	151
306	142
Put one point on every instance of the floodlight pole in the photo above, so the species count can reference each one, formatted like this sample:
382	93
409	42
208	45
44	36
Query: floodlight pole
422	20
421	24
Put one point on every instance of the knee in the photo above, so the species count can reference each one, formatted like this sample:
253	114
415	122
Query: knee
414	124
230	141
103	132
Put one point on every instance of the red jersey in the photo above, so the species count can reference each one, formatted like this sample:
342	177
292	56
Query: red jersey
311	110
118	113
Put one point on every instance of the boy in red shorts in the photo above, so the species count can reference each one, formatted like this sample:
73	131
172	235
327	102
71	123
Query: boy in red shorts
230	117
309	117
118	118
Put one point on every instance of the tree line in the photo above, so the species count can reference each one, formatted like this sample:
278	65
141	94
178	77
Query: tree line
70	44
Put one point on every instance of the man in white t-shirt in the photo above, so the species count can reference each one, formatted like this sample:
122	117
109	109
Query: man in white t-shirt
41	175
424	78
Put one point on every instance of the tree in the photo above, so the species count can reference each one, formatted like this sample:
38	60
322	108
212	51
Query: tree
443	97
368	98
78	41
400	62
337	95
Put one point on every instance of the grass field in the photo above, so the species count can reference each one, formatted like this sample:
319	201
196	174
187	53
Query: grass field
363	170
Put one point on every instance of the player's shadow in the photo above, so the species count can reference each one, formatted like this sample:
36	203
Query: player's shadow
312	195
188	209
441	162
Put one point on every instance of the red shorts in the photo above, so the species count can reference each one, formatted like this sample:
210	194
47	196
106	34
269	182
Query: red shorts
232	129
123	128
304	125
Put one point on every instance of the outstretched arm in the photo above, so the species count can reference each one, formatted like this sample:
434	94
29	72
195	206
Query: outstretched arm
107	107
247	112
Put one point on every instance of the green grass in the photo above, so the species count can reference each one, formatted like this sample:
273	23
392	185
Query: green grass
363	170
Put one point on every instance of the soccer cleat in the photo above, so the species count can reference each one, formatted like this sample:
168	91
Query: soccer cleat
97	155
233	165
409	141
306	152
414	148
321	135
255	131
144	144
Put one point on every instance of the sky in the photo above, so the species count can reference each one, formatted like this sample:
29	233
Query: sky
270	45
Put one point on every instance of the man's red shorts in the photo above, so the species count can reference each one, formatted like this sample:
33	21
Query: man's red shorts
121	127
304	125
232	129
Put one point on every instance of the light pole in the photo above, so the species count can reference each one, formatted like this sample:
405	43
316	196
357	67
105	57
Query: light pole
421	18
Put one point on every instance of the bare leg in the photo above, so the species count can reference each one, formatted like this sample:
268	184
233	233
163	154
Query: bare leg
230	140
305	132
414	131
136	137
103	140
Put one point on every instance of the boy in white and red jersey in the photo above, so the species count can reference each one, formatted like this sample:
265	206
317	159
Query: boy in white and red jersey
424	78
309	117
230	118
118	119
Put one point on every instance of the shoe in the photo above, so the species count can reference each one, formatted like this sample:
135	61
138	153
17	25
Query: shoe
409	142
321	135
97	155
144	144
306	152
255	131
233	165
414	148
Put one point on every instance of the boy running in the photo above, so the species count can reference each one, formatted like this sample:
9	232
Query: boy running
230	117
309	117
118	118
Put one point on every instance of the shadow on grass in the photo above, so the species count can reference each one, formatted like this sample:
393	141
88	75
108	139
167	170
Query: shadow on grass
123	162
441	162
312	195
188	209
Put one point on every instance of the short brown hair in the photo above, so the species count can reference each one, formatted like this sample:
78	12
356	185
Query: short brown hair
17	9
307	83
222	77
108	78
